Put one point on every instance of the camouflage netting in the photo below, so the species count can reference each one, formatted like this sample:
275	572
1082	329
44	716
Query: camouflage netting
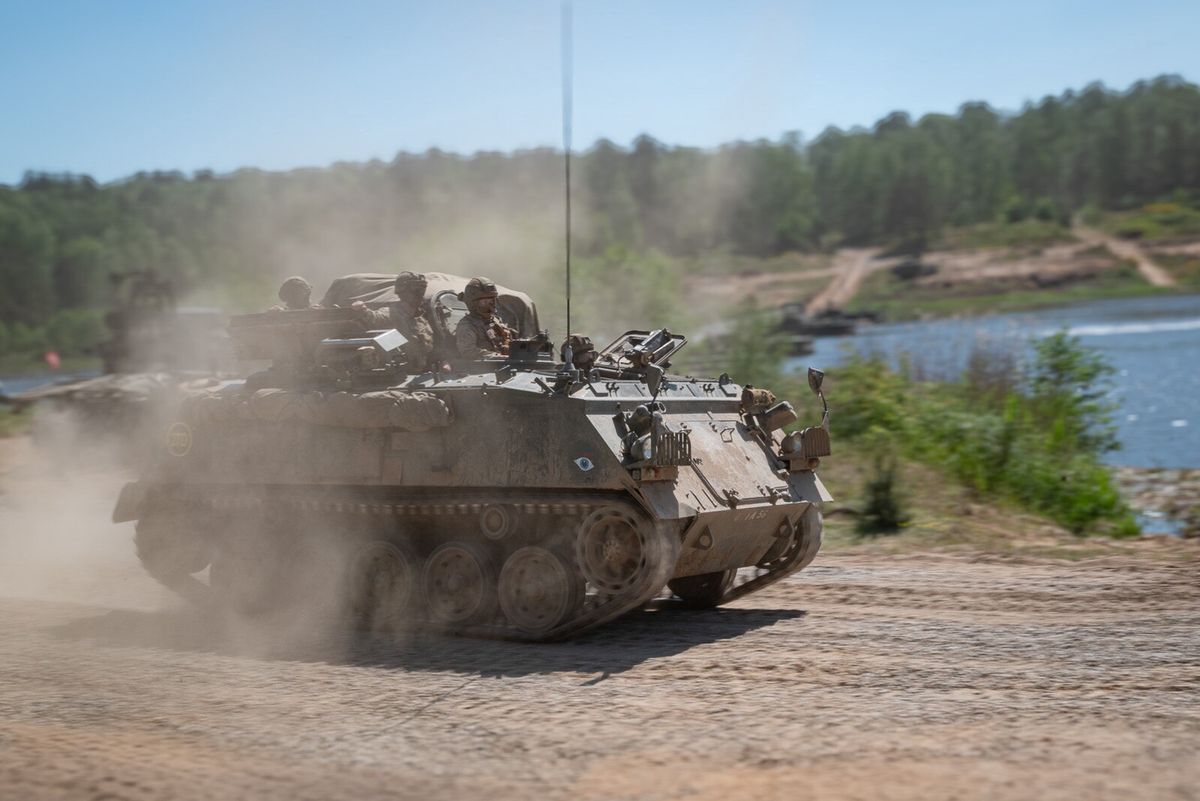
412	411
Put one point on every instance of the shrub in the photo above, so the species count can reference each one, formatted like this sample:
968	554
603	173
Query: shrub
1158	221
1068	384
1014	210
1034	435
883	508
1046	210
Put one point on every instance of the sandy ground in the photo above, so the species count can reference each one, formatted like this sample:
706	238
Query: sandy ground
980	269
866	677
999	269
1177	249
715	296
851	266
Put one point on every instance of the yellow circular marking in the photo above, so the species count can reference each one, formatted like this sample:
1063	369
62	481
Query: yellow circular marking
179	439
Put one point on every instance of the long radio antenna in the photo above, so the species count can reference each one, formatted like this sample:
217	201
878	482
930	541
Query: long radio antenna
566	121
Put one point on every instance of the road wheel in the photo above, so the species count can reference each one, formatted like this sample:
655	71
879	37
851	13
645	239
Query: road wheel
459	584
538	590
703	591
612	550
382	587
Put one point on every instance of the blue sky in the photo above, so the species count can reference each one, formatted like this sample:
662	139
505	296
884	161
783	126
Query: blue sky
110	88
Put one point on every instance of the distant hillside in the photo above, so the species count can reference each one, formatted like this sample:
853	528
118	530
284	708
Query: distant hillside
228	238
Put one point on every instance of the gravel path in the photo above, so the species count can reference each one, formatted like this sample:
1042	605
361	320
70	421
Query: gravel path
1132	251
866	677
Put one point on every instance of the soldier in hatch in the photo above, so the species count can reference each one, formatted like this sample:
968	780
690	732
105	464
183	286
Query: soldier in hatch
583	352
296	293
405	314
481	334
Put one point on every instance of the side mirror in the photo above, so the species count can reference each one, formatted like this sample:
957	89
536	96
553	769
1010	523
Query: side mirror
653	379
815	377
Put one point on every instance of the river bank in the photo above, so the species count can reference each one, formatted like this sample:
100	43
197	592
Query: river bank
1167	501
1151	343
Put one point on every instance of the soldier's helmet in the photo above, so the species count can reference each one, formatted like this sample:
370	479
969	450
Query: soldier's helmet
410	283
479	288
583	351
580	343
295	290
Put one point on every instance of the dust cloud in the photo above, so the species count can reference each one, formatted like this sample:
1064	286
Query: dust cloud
643	218
58	488
505	221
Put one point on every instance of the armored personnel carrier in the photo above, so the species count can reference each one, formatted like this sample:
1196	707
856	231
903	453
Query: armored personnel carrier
531	496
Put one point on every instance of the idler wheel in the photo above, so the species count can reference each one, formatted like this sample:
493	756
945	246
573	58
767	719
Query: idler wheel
703	591
382	584
538	590
459	584
612	550
171	546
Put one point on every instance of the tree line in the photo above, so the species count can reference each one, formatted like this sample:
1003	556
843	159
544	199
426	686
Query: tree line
226	239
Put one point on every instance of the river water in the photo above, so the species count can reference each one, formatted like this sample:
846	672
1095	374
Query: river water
15	385
1153	343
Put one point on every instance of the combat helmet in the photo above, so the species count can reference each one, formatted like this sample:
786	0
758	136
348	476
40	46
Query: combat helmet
412	282
479	288
294	284
295	292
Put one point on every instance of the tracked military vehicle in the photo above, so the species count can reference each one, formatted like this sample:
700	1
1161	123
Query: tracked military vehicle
532	496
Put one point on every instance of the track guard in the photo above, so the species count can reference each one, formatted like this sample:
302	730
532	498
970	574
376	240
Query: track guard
129	502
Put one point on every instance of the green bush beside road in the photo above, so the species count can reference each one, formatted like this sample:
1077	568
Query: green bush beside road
1034	435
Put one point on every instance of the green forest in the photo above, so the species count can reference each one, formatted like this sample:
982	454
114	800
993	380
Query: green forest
228	239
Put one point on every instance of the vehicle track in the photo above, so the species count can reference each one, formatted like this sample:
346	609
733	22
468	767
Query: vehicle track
862	677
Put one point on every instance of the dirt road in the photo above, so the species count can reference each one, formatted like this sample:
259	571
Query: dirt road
1132	251
866	678
851	266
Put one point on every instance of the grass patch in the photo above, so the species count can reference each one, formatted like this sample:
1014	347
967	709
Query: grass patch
14	422
1155	222
1183	268
1029	234
24	364
897	300
943	516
